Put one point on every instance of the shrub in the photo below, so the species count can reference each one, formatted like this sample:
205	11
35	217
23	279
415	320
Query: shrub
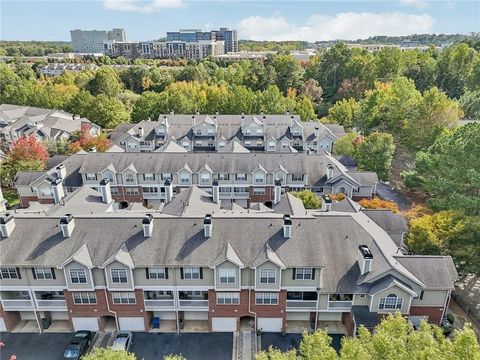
377	203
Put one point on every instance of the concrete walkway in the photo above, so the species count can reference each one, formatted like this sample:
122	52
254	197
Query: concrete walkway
387	192
246	345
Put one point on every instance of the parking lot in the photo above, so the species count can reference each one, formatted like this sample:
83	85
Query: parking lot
148	346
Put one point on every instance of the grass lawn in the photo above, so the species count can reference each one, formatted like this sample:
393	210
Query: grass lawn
11	196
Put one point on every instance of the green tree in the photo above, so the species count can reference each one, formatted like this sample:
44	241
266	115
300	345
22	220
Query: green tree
421	67
240	99
344	112
271	100
388	63
147	106
304	108
449	170
312	90
276	354
347	145
470	104
289	72
375	153
309	199
136	78
80	104
7	77
106	82
108	112
25	72
174	357
109	354
317	346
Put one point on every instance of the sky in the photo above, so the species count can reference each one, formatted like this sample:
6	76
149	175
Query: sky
254	19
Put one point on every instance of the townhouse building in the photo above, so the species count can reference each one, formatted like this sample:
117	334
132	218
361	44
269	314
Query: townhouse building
270	133
333	268
154	178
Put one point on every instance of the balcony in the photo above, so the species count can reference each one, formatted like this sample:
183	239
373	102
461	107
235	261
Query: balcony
302	304
241	195
17	304
159	304
191	303
151	195
52	304
339	305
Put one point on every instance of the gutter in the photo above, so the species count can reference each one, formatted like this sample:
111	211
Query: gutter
111	311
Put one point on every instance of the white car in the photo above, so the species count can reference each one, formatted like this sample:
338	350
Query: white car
123	341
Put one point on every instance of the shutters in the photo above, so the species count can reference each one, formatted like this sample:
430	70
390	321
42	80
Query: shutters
201	273
53	273
166	273
294	273
147	273
34	274
181	273
18	273
313	274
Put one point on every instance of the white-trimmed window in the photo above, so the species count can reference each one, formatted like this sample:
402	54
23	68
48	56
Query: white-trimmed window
78	276
129	178
391	302
258	191
185	145
149	176
297	177
109	176
191	273
119	276
157	273
114	190
91	177
267	276
131	191
241	177
266	298
228	298
227	276
166	176
205	178
259	131
259	178
304	274
123	298
9	273
271	145
43	273
84	298
184	178
223	176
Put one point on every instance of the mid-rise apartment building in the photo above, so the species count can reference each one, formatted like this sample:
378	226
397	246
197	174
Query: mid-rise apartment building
153	178
332	268
92	41
227	133
228	36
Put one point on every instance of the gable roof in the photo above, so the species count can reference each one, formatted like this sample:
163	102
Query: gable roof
228	254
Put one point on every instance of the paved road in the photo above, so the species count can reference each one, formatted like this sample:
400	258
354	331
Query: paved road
289	341
387	192
194	346
34	346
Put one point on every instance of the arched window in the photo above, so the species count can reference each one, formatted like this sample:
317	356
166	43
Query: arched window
391	302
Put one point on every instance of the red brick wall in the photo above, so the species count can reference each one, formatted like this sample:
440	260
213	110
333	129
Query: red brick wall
25	200
122	195
261	198
347	320
434	313
11	318
241	310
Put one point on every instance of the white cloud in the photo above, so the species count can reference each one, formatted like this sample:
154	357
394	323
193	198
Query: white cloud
421	4
142	6
345	26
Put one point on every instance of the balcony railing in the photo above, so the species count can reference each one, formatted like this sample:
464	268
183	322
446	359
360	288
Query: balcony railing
60	304
151	195
193	303
339	304
9	304
163	303
293	304
241	195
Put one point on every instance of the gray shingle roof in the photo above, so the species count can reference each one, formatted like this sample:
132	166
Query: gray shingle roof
387	220
25	178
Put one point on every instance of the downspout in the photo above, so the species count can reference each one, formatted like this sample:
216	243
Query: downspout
109	310
446	303
250	301
175	298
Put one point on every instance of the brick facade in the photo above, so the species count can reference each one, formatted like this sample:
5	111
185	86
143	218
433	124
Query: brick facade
11	318
241	310
261	198
347	320
122	195
434	313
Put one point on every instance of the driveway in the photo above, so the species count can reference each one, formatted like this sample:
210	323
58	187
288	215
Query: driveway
198	346
387	192
29	346
289	341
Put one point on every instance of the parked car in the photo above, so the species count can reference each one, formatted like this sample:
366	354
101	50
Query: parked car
123	341
79	345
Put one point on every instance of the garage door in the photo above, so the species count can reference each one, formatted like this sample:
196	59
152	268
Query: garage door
131	323
2	325
270	324
298	316
59	315
224	324
85	323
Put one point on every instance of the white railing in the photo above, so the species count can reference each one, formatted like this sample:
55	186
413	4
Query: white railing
17	304
339	304
148	195
301	304
193	303
155	303
52	304
241	194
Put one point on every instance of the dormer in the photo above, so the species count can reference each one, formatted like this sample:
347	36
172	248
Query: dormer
259	175
130	175
205	126
162	129
252	126
296	128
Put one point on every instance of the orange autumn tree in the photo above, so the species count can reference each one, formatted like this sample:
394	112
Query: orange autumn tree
377	203
86	141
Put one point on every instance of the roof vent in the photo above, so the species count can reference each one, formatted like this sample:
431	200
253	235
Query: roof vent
67	224
7	224
365	259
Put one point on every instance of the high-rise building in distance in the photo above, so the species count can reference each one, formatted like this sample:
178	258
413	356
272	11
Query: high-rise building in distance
92	41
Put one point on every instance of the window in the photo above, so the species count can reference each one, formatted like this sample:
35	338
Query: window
241	177
185	145
266	298
247	131
131	191
205	178
129	178
109	176
210	131
221	145
259	131
296	131
184	178
199	132
166	176
119	276
91	177
9	273
150	189
248	143
78	276
191	273
271	145
223	176
297	177
259	178
303	274
228	298
267	276
149	177
227	276
198	143
84	298
43	273
157	273
391	302
258	191
123	298
259	143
